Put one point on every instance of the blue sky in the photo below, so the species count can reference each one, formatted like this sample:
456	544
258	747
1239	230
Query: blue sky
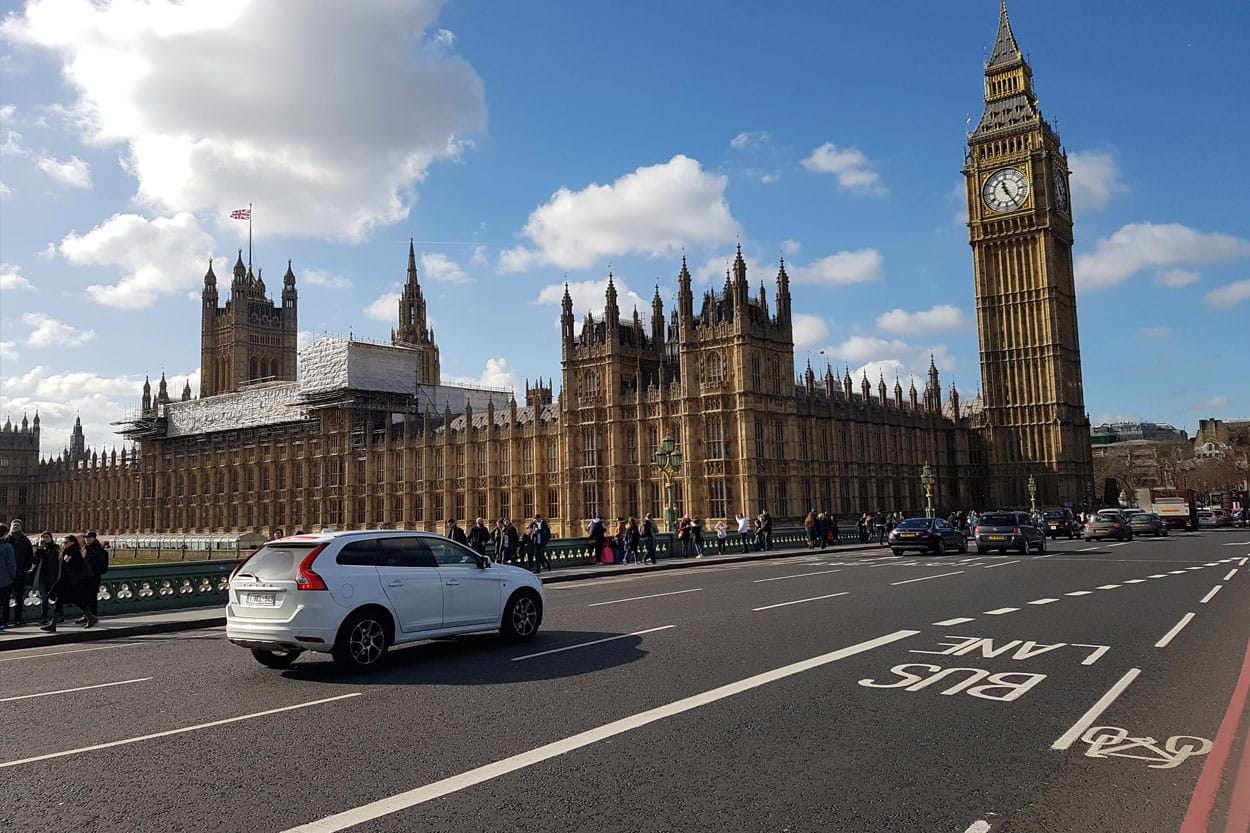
526	144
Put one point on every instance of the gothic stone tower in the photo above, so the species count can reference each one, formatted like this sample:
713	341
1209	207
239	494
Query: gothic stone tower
1020	229
413	331
248	340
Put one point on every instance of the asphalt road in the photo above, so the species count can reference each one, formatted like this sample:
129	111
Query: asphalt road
1097	688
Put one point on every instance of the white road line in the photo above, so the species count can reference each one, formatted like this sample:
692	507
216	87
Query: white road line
1069	737
1210	595
197	727
1043	601
639	598
798	575
945	623
1231	573
1211	564
1080	593
1193	568
1135	581
1176	572
1000	611
71	690
1243	561
438	789
1001	564
1088	549
1108	587
1158	575
47	654
1113	546
595	642
980	826
1170	635
799	601
925	578
1048	555
575	585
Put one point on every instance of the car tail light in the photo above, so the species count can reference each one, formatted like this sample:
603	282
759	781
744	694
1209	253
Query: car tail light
305	578
926	533
1015	530
976	530
1115	525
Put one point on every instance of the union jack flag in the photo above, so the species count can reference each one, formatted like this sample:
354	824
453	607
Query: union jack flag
241	214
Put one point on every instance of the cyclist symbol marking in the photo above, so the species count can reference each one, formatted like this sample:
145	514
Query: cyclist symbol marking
1114	742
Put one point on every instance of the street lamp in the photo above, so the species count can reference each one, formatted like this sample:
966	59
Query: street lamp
1032	494
668	460
927	480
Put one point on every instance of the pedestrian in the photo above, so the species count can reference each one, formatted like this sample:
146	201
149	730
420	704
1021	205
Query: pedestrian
97	559
649	533
684	535
632	536
47	571
540	531
277	533
822	529
809	526
757	531
479	536
455	533
506	541
73	577
525	549
618	542
833	528
596	534
722	530
744	532
8	577
766	526
24	554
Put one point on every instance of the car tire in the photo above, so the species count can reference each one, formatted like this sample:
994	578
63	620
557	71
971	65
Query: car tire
521	617
362	640
982	550
1041	545
1024	548
896	551
963	546
940	549
276	659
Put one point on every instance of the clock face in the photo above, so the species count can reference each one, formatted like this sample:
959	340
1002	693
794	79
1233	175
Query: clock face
1005	190
1061	192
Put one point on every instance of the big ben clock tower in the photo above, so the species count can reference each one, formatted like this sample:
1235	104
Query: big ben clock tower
1020	229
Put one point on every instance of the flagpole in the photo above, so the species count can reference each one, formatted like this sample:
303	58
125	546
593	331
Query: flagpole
249	237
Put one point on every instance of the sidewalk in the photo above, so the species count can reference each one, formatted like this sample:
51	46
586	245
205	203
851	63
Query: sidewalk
165	621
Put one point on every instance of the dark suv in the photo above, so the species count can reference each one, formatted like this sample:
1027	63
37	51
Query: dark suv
1004	531
1058	521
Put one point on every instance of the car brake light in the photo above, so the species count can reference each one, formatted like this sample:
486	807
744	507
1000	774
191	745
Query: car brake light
1115	525
305	578
976	530
1015	530
926	533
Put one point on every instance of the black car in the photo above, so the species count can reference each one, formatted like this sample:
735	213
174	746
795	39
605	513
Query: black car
926	535
1060	521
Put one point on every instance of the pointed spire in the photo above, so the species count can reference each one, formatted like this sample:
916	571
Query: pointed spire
289	277
1006	49
240	270
186	391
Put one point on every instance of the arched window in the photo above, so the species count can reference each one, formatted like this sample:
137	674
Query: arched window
715	368
592	384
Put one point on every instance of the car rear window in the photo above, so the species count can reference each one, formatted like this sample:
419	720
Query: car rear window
997	520
914	523
1054	513
277	561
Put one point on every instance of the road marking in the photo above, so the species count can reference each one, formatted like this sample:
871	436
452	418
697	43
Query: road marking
1243	561
1210	595
1088	549
925	578
1203	799
46	654
1080	593
798	575
1108	586
1113	546
979	827
1049	555
574	585
957	621
1176	572
595	642
1042	601
1170	635
1135	581
1069	737
799	601
1158	575
1193	568
639	598
1000	611
1231	573
1001	564
71	690
491	771
169	732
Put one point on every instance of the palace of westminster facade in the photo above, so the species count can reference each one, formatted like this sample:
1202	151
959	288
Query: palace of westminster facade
366	436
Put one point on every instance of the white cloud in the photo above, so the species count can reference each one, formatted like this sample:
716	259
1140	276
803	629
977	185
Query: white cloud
11	278
46	331
161	256
439	267
750	139
809	330
1176	278
8	351
591	297
790	248
1094	181
851	167
75	173
769	179
385	308
1155	333
496	375
479	258
940	318
1147	245
357	103
653	211
1215	403
867	348
1228	296
315	277
862	266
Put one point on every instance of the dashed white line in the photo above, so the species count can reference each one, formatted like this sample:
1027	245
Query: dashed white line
1210	595
1043	601
595	642
1135	581
1069	737
1113	546
1231	573
1000	611
980	826
925	578
1243	561
1001	564
797	575
640	598
1048	555
798	602
1158	575
1170	635
1193	568
1176	572
1080	593
1088	549
1108	586
71	690
956	621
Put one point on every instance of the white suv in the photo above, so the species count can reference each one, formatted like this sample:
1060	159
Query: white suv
354	594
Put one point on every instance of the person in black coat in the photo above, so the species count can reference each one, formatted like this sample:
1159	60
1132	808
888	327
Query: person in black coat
47	573
98	560
70	586
24	553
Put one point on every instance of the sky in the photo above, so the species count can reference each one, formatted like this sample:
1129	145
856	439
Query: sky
523	145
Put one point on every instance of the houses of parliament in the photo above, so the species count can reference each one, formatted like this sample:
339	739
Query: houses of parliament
364	435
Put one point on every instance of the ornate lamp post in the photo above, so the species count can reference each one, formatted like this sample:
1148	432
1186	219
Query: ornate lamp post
927	480
668	460
1032	494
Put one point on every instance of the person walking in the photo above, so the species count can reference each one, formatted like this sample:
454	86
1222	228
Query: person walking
97	559
766	526
479	536
809	526
541	533
632	536
744	532
822	529
455	533
24	554
722	531
596	535
618	542
47	572
8	576
506	540
684	535
649	533
74	576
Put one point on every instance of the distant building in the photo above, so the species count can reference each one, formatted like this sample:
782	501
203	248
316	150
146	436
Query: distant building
19	462
1118	432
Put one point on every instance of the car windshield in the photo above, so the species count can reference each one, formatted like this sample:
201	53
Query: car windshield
1000	519
914	523
276	561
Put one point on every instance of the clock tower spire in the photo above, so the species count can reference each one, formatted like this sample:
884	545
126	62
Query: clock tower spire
1020	230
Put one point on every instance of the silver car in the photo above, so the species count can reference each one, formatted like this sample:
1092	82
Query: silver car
1005	531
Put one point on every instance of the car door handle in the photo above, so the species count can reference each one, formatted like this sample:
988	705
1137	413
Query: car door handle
453	581
395	583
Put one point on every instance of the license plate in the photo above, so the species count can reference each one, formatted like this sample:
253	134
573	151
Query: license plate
907	535
998	537
260	599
